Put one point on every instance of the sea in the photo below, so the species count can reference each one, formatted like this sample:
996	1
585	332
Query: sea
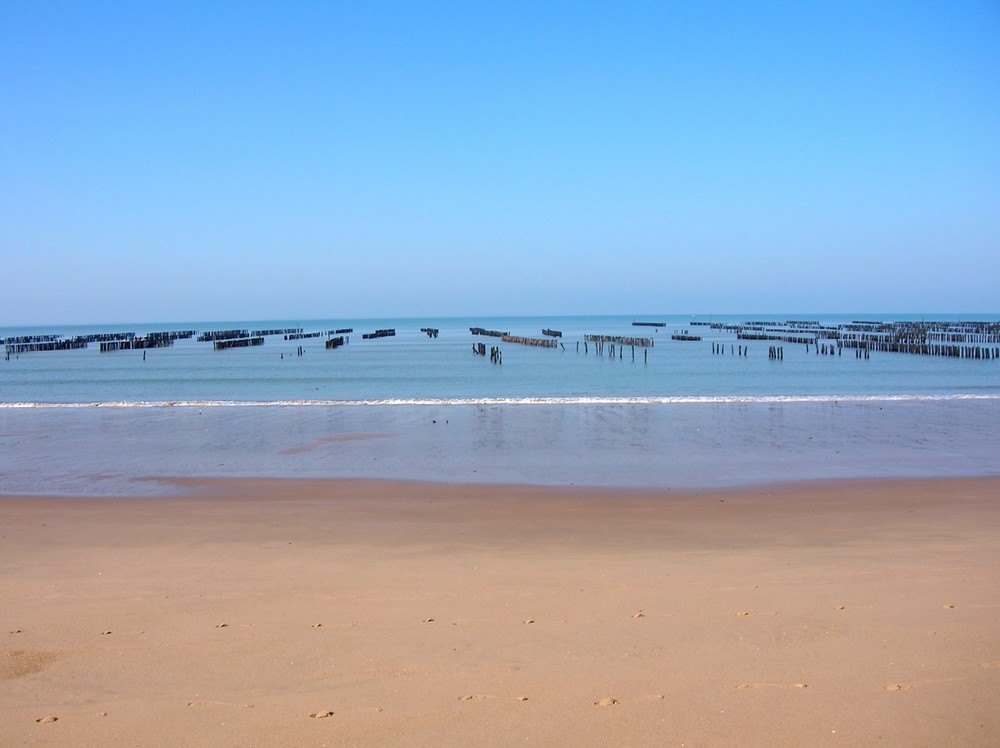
676	413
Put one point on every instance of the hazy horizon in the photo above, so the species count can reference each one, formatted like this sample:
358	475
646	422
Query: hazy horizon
670	317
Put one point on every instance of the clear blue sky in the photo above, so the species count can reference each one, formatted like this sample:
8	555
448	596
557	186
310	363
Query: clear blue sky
184	161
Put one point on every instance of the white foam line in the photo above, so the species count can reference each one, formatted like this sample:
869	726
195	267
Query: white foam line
672	400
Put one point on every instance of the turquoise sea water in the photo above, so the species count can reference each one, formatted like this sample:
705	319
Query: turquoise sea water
412	367
409	406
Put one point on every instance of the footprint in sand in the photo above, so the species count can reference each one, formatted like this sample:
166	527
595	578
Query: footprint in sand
47	720
321	715
606	701
19	662
484	696
638	614
772	685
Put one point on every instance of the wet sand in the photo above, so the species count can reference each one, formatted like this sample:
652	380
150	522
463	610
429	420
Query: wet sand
284	612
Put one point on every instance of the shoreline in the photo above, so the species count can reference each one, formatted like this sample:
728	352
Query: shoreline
820	613
333	488
256	487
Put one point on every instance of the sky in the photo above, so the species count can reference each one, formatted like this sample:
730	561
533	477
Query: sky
164	161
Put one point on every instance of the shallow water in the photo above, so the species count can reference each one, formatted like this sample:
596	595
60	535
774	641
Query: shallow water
418	408
412	367
678	445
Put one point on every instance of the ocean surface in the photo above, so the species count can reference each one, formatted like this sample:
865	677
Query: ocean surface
682	414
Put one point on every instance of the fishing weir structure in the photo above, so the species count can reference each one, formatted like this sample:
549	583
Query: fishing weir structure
113	341
971	340
615	345
214	335
535	342
488	333
225	344
496	355
620	340
32	345
284	331
152	340
684	335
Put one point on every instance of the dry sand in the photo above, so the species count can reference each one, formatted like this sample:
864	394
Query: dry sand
307	613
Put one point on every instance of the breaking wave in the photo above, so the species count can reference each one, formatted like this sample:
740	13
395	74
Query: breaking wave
513	401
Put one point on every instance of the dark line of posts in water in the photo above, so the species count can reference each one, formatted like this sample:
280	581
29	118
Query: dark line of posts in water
536	342
489	333
496	355
123	340
967	340
620	339
213	335
284	331
684	335
226	343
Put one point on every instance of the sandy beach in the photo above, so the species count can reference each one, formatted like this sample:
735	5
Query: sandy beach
310	613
